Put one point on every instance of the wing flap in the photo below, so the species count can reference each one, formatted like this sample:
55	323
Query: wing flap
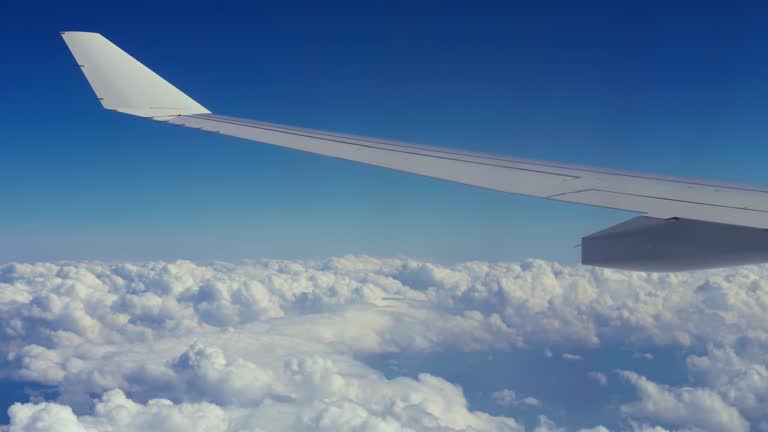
664	208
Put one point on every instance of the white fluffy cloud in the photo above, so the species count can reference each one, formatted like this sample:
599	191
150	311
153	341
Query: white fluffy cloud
742	381
507	397
547	425
598	377
275	345
684	406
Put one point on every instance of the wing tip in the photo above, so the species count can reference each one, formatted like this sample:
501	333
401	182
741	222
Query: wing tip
122	83
75	32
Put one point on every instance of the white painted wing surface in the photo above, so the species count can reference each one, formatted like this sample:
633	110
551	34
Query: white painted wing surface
122	83
655	196
686	224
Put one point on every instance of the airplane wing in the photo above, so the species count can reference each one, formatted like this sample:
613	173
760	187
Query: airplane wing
685	223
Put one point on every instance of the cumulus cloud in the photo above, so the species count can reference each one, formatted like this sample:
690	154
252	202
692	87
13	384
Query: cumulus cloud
115	412
742	381
598	377
43	417
571	357
309	393
250	345
642	356
682	406
547	425
508	398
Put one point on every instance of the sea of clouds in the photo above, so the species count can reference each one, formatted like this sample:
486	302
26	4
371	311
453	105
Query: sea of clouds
281	345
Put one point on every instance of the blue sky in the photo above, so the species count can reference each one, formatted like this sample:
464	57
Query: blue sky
679	90
670	89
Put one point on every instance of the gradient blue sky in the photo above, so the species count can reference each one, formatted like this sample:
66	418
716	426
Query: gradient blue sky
677	89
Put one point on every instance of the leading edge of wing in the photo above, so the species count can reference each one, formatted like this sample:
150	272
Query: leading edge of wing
549	166
653	196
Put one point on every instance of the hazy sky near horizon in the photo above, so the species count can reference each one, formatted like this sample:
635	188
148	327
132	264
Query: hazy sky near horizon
668	89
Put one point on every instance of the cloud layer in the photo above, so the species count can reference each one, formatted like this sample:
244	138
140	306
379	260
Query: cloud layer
277	345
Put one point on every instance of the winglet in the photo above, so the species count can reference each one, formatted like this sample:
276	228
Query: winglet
123	84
